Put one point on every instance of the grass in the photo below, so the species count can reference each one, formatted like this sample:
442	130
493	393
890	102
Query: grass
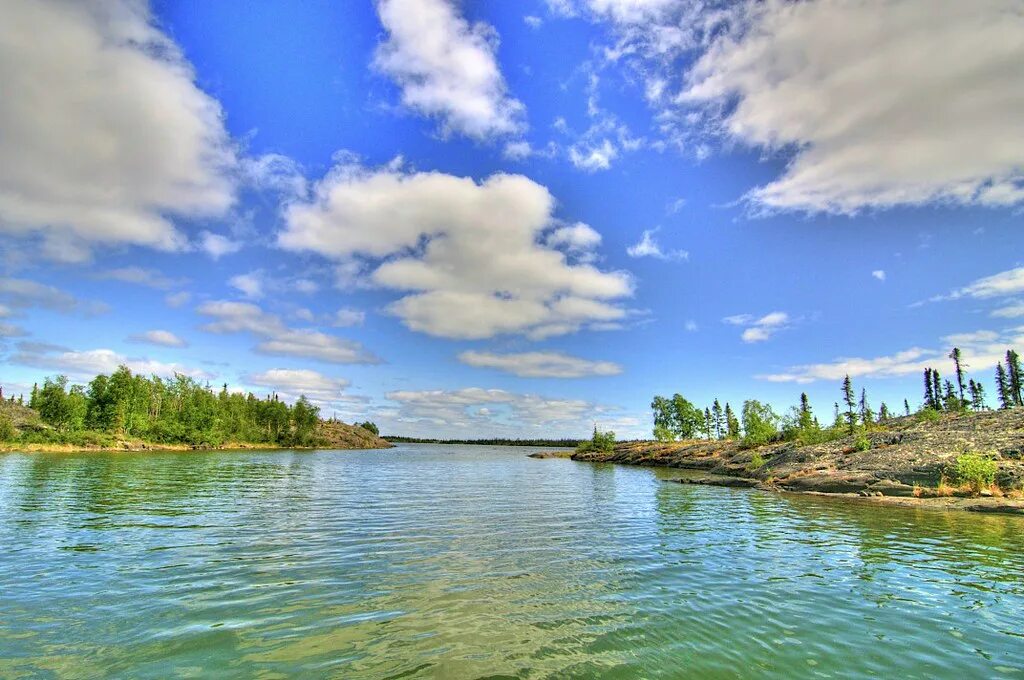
757	462
975	470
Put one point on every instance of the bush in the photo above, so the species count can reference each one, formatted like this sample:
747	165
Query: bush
928	415
7	431
861	443
757	462
975	470
601	442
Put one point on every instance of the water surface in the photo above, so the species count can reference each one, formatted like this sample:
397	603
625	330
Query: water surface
466	562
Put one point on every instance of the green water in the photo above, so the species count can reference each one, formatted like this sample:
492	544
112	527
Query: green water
471	562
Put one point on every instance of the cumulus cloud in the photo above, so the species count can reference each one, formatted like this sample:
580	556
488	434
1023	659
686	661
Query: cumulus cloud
217	245
648	246
981	350
881	102
275	338
24	293
759	329
106	136
159	337
85	364
473	410
473	259
540	364
447	68
250	284
291	383
879	274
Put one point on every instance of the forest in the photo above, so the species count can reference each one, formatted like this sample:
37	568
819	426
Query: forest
757	423
179	410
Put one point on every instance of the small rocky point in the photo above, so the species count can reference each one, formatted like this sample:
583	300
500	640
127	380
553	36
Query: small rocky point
907	459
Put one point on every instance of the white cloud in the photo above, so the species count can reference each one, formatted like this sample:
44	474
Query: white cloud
759	329
446	67
86	364
1011	311
106	135
883	103
141	276
292	383
592	157
649	247
691	326
1010	282
275	338
540	364
533	21
159	337
471	258
178	299
517	151
981	350
23	293
345	317
250	284
879	274
217	245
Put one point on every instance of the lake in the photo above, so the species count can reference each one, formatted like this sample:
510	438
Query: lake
478	562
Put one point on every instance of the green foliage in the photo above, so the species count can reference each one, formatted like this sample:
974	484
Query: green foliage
601	442
757	462
760	423
7	431
676	416
976	470
928	415
180	410
663	434
861	443
371	427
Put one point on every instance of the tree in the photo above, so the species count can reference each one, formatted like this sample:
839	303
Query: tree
866	415
906	407
1003	387
1015	371
675	418
977	391
372	427
732	423
883	413
760	423
717	416
305	416
936	390
929	393
805	418
662	410
708	423
955	356
851	414
949	400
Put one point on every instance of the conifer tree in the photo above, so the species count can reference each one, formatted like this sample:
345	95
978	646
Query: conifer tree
708	426
806	419
1003	387
929	393
866	416
883	413
937	389
950	400
732	423
955	356
837	421
716	414
851	404
906	407
977	391
1014	371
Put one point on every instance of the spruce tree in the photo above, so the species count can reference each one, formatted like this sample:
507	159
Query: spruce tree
937	389
806	420
1014	371
977	396
708	426
732	423
929	394
837	421
851	404
950	401
1003	387
883	413
906	407
955	356
716	413
866	416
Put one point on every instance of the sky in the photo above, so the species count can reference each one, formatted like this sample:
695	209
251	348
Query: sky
470	219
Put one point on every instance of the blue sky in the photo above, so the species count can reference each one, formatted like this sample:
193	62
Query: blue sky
473	219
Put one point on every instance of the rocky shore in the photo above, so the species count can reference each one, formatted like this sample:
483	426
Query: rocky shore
908	462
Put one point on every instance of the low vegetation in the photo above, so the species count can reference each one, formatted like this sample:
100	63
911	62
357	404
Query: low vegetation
600	442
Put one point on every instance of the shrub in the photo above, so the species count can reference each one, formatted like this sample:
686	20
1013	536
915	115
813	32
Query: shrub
861	443
928	415
757	462
975	470
601	442
7	431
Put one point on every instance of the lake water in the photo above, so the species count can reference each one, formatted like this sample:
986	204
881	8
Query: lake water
472	562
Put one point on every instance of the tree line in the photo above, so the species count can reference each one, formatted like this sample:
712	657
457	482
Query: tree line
676	417
179	410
